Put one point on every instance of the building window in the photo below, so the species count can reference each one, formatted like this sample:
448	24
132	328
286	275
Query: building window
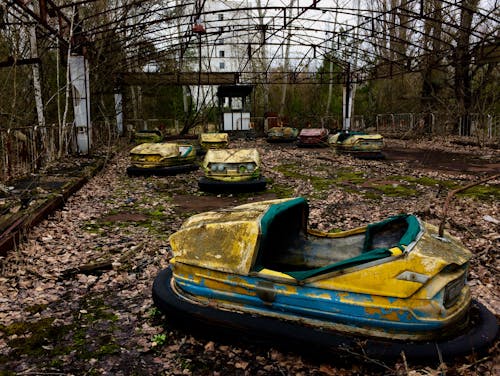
221	16
220	41
222	65
221	53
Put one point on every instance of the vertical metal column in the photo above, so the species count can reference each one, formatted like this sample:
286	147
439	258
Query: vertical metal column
347	101
81	102
119	113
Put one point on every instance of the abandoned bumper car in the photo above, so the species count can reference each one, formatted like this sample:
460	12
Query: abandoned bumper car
146	135
358	144
213	141
378	290
313	137
232	170
162	159
282	134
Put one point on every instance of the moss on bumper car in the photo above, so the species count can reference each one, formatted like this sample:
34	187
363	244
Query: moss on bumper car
377	290
359	144
144	136
162	159
282	134
213	141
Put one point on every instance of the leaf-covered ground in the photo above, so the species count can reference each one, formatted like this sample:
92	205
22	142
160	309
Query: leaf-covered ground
57	318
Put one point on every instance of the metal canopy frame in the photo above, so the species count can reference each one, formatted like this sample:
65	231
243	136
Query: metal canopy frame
375	43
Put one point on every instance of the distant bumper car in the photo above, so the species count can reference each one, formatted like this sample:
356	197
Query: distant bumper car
378	290
213	141
144	136
162	159
313	137
282	134
232	170
358	143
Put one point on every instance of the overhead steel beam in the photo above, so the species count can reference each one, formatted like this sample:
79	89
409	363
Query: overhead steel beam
181	78
41	18
230	78
11	62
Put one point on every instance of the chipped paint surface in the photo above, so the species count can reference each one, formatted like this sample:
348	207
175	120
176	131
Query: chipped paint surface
360	143
214	137
215	255
231	156
214	140
235	164
379	316
282	132
162	154
313	132
227	246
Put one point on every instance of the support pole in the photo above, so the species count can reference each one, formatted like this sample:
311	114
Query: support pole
81	102
119	113
347	100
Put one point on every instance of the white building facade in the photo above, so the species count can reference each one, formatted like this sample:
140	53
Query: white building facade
223	47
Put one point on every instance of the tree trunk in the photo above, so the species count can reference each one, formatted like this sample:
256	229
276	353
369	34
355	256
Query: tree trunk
286	68
63	141
430	84
463	59
37	87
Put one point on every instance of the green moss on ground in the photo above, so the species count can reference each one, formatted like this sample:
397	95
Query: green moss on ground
90	335
483	192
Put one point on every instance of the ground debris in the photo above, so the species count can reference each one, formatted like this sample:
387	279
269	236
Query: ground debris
78	290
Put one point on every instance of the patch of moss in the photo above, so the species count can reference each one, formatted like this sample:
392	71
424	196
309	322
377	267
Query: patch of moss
36	308
35	338
92	335
344	175
424	180
372	195
396	190
106	349
156	227
292	171
482	192
93	227
95	310
281	191
320	184
158	213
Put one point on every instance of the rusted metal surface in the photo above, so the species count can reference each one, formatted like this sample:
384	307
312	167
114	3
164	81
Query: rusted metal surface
182	78
221	258
15	226
357	143
214	140
232	164
149	155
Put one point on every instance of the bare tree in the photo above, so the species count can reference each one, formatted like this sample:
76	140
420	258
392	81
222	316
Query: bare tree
462	62
286	65
432	41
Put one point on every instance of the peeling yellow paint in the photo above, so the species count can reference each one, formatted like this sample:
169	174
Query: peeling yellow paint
273	273
219	249
150	155
231	156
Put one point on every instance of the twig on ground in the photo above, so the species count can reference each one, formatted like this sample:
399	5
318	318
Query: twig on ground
452	193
